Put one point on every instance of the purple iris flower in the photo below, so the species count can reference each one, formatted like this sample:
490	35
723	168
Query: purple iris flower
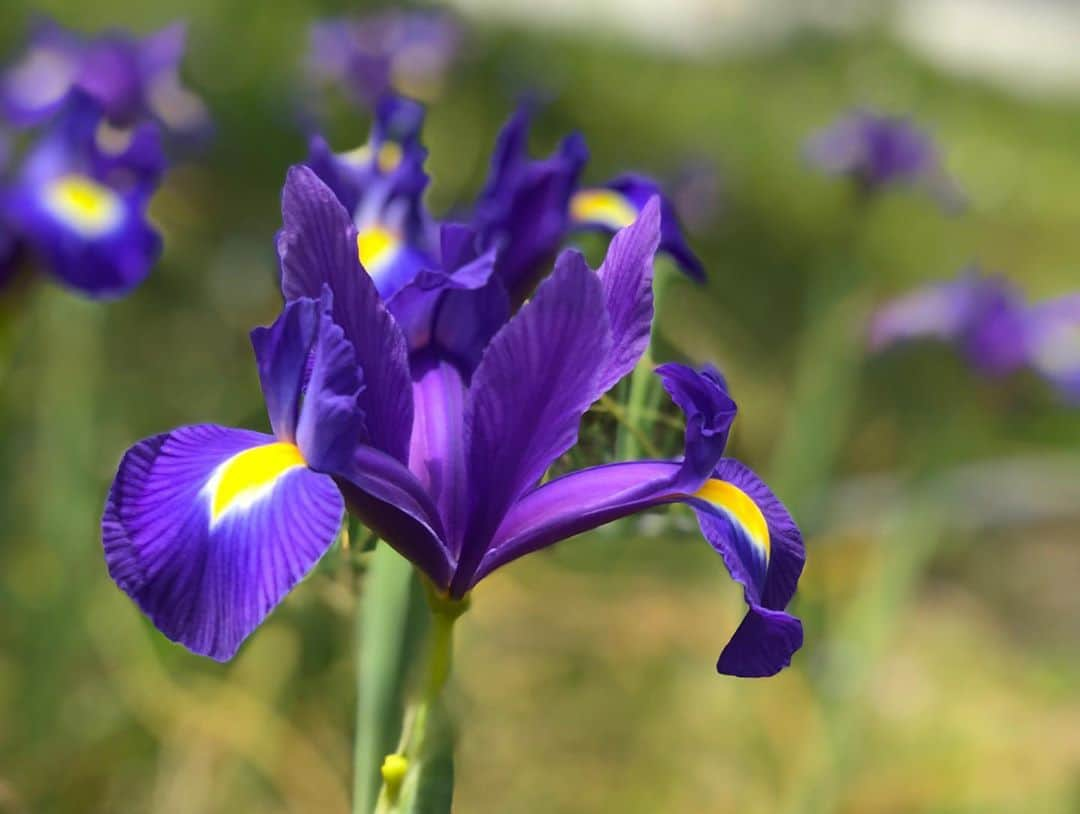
381	184
992	324
207	528
617	204
407	52
78	201
524	209
130	79
880	151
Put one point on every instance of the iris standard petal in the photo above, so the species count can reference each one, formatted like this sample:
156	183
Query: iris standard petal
332	422
317	246
437	452
282	352
616	205
626	276
523	210
207	528
536	379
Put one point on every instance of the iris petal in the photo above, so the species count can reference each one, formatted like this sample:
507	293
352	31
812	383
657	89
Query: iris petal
207	528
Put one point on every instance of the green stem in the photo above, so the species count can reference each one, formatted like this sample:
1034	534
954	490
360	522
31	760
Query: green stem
405	771
392	623
643	391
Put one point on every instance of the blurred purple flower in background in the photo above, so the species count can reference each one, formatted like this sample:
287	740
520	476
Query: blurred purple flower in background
406	52
78	201
993	326
617	204
74	196
879	152
130	78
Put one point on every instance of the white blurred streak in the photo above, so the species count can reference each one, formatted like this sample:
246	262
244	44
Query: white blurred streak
998	494
684	26
1027	46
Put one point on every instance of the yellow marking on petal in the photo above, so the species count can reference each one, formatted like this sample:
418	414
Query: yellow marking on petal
738	505
376	245
603	206
85	205
246	474
389	158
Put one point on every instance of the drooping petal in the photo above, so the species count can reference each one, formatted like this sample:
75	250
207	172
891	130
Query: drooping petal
626	276
738	515
528	394
616	205
207	528
317	246
390	501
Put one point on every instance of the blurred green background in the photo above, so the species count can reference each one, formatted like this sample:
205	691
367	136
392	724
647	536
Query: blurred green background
942	617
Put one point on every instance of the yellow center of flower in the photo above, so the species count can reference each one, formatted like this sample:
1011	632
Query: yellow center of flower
88	207
602	206
248	475
375	245
740	507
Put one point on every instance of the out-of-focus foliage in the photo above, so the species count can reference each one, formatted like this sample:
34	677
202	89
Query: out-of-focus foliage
942	621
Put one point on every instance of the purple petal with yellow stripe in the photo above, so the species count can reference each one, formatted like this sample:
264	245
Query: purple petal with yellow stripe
206	528
618	203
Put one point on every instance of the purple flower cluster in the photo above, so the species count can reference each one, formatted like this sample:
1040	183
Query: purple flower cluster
878	151
993	326
426	376
88	116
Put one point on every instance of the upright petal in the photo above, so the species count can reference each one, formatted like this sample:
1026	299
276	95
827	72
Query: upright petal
523	210
317	246
282	352
437	455
527	396
626	276
332	423
207	528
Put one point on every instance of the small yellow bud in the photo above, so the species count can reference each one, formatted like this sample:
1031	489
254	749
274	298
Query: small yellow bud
394	768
